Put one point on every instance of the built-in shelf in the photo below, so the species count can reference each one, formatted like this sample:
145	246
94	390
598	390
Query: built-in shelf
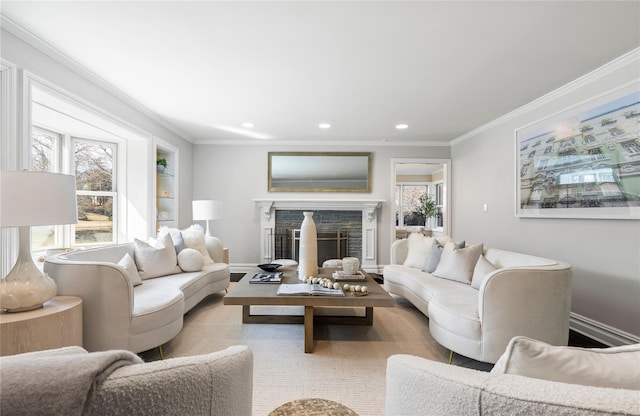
166	189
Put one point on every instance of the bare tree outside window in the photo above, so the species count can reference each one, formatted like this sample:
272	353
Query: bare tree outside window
95	189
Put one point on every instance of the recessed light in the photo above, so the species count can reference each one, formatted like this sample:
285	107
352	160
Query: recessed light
402	126
247	125
324	125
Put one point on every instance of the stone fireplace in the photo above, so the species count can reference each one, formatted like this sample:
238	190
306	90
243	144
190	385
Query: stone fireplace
338	222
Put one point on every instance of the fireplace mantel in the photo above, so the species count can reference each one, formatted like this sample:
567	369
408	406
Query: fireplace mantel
368	207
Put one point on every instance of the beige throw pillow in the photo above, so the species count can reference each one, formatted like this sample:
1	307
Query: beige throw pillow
458	263
190	260
480	272
157	258
194	238
419	248
616	367
131	269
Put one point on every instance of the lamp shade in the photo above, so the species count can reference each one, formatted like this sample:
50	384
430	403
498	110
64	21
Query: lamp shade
37	198
207	210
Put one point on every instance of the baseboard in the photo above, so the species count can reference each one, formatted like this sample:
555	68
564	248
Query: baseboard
248	268
600	332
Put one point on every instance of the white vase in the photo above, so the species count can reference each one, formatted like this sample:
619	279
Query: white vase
308	248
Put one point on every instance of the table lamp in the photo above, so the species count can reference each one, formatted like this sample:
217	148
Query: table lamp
29	199
207	210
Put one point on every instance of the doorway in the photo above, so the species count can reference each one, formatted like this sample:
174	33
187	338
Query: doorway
420	191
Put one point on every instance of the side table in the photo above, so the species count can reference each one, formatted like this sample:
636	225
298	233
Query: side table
57	324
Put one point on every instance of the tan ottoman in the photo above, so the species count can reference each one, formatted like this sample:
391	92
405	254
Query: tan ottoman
312	407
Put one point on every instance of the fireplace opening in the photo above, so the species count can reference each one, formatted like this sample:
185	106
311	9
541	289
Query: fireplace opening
332	244
339	234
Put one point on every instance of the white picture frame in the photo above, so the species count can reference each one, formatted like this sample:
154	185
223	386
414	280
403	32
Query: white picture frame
582	162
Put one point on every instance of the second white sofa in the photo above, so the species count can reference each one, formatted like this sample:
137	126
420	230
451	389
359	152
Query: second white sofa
520	295
117	315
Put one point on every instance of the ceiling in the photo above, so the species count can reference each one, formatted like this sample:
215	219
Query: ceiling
442	68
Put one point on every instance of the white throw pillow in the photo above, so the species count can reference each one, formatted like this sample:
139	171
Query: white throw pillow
156	259
176	237
419	248
190	260
458	263
131	269
616	367
480	272
194	238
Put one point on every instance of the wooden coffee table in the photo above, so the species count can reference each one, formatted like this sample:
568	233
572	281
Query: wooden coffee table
247	295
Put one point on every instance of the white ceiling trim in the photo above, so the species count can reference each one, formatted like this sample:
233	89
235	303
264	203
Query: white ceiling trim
606	69
44	47
316	143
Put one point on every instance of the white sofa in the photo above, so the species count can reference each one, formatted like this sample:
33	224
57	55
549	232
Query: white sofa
117	315
70	381
526	295
531	378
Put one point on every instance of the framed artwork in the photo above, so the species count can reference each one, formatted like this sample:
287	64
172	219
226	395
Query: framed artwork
583	162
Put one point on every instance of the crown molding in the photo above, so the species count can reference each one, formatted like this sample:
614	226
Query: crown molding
604	70
317	143
49	50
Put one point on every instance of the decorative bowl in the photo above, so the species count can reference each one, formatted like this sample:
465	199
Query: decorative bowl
269	267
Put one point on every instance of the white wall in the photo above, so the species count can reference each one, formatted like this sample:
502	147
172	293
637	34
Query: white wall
604	254
238	174
27	57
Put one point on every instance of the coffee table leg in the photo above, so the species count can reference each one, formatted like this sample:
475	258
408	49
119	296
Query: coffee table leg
308	329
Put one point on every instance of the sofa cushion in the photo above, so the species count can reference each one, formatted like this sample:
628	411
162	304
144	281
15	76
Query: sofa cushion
419	249
131	269
457	311
480	271
157	258
458	263
190	260
155	305
616	367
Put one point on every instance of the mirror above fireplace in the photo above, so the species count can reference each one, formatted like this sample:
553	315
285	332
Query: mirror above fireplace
319	172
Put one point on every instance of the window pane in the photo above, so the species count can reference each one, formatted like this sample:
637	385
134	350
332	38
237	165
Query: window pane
43	237
94	166
95	219
412	213
43	150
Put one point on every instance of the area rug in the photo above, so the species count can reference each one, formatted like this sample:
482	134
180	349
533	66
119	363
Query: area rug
348	364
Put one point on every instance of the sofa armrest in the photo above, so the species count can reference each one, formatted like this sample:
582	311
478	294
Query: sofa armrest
530	301
219	383
107	299
399	251
417	386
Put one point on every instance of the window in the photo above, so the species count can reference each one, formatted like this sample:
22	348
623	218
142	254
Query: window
95	189
93	163
408	201
46	157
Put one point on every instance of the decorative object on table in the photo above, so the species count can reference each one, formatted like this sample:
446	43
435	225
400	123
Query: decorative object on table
161	165
308	248
350	265
269	267
29	199
582	162
341	276
266	277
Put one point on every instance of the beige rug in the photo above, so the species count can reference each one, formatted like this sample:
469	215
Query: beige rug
347	366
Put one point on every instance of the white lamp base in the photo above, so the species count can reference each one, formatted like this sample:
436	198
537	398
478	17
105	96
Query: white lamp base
25	287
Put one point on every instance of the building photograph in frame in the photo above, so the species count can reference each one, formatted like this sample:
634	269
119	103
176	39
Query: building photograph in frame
583	162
